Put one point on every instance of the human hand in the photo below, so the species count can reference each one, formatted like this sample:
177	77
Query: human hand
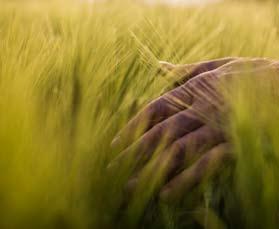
181	140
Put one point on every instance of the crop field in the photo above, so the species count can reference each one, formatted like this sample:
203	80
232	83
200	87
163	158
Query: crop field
72	73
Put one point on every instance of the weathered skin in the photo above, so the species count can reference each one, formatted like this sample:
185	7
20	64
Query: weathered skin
188	120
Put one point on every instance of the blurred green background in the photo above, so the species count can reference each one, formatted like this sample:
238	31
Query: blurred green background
72	73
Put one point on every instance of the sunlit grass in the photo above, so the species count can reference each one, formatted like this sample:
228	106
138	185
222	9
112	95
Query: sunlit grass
72	74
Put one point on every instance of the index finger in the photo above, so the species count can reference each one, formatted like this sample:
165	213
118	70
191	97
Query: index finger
180	74
162	108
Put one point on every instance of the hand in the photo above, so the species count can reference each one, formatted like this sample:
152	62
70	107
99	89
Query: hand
181	140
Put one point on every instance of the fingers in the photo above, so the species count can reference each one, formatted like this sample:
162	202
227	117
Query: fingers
190	147
199	68
180	154
174	101
162	135
180	74
207	166
165	133
165	106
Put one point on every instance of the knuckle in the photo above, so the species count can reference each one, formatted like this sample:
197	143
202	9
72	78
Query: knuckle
178	146
156	107
159	129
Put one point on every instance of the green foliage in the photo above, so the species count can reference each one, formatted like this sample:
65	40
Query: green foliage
73	73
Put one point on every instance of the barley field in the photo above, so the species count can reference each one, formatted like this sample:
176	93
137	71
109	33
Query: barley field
72	73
